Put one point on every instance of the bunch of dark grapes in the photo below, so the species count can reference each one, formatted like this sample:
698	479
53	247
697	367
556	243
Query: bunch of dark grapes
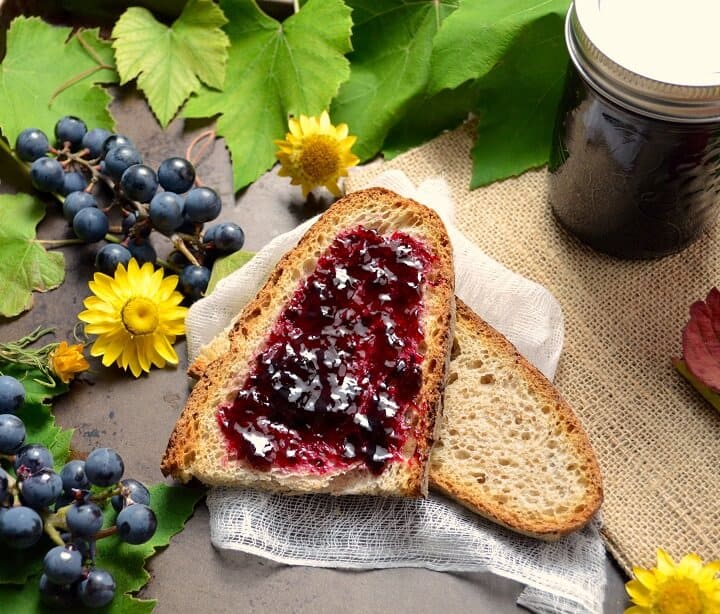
101	176
68	507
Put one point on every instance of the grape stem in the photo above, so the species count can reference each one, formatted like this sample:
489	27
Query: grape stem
208	136
179	245
53	522
106	532
54	243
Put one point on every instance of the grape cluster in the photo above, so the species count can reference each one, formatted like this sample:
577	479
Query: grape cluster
101	175
68	506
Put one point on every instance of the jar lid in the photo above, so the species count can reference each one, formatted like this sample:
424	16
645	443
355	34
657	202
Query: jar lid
657	57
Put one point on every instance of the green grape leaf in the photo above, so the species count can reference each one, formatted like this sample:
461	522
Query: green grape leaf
25	266
390	64
516	124
487	29
43	61
224	266
277	69
171	62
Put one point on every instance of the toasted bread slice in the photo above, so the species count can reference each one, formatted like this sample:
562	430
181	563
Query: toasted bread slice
509	447
253	350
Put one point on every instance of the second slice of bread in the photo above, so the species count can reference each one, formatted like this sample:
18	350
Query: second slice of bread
509	447
197	448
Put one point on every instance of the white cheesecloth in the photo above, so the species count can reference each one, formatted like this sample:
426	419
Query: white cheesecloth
435	533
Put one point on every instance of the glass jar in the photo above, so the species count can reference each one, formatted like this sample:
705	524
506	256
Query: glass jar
634	167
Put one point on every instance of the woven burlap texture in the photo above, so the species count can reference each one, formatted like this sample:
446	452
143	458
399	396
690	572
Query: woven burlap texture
657	440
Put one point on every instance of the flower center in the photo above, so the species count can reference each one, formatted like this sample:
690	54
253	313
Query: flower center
679	597
319	158
140	316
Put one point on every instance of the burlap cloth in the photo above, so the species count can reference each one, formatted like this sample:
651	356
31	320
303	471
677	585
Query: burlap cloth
657	440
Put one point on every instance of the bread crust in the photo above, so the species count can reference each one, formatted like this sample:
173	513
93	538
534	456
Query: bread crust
446	471
224	364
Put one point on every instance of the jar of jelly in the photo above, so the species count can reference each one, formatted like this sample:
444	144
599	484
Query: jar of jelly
636	148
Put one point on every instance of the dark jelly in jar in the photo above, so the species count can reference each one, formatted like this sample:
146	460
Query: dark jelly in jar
635	160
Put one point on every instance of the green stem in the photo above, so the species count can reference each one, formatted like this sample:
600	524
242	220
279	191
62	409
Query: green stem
76	79
91	52
53	522
52	243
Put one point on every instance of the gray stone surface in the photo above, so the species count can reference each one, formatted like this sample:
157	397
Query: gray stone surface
136	416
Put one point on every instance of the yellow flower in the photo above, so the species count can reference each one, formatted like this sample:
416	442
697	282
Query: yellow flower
316	153
685	588
67	360
136	316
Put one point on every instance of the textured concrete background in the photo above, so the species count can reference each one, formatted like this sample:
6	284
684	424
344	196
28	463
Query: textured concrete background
136	417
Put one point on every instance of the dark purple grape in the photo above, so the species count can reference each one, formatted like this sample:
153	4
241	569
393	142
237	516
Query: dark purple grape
109	256
31	144
128	222
94	140
228	237
41	489
73	181
119	159
132	492
84	519
98	589
31	458
90	224
116	140
136	524
202	205
63	564
56	595
47	175
176	175
21	527
166	212
104	467
139	182
194	281
70	129
76	201
12	434
5	486
73	476
12	394
142	251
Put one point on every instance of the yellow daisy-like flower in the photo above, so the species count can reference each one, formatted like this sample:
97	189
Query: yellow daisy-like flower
136	316
686	588
67	360
316	153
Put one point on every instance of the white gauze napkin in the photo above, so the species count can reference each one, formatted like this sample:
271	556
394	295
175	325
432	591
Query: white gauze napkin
373	532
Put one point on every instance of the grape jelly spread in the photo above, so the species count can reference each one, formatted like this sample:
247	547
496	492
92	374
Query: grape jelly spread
342	363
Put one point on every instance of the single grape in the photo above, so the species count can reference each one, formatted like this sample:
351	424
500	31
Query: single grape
73	476
166	212
176	175
47	175
12	433
12	394
139	182
132	492
136	524
21	527
109	256
56	595
116	140
98	589
119	159
209	235
90	224
5	486
128	222
41	489
177	259
194	280
74	181
228	237
187	227
31	458
94	140
104	467
31	144
142	251
63	564
84	519
202	205
76	201
70	129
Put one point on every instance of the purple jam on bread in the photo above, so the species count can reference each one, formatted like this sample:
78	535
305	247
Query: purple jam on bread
342	362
